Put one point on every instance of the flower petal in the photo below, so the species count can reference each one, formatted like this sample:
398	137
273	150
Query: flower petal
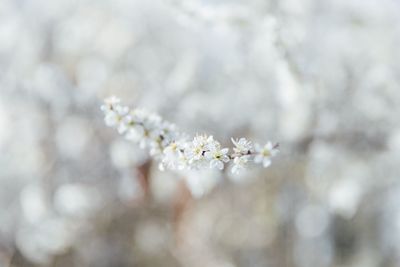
224	150
266	163
258	159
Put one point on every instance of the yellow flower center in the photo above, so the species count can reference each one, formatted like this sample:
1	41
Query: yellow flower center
266	153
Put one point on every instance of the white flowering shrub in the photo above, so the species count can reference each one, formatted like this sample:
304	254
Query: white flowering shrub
175	150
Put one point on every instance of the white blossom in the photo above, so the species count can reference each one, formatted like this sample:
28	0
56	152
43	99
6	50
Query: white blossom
111	101
174	158
265	153
114	112
217	156
135	133
115	115
239	163
242	146
196	149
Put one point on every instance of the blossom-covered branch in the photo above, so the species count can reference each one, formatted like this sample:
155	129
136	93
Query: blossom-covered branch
175	150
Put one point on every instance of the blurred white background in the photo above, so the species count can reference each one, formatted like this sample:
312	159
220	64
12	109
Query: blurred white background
320	77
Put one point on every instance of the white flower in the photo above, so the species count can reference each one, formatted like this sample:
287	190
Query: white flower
242	146
139	115
240	163
135	133
113	111
172	148
109	103
114	115
217	156
169	134
173	156
153	124
155	149
196	149
264	154
112	100
182	161
125	124
171	153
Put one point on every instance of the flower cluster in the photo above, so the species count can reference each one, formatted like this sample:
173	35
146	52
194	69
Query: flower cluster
174	150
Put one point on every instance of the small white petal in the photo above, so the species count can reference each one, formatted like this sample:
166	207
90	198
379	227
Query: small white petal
225	158
266	163
216	164
234	141
122	128
208	155
269	146
257	147
258	159
224	150
235	169
220	165
274	152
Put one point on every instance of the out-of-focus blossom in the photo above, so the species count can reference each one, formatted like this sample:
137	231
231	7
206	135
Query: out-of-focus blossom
239	163
265	153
